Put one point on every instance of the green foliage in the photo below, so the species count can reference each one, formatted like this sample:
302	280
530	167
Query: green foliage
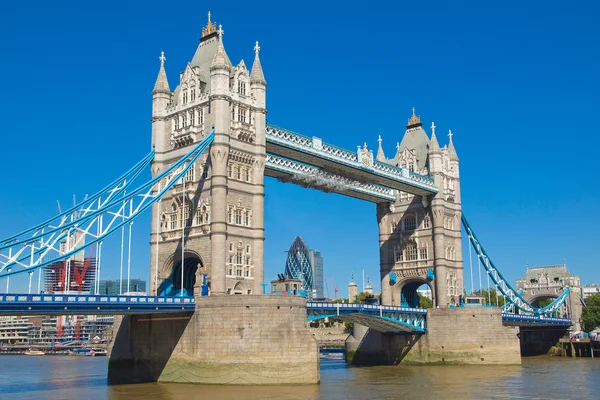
425	302
544	302
361	297
348	326
493	298
340	300
591	312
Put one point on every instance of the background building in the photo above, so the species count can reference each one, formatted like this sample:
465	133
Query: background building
75	275
317	263
589	290
306	265
114	287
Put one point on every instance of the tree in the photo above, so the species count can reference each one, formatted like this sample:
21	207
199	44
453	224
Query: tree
591	312
425	302
492	298
361	297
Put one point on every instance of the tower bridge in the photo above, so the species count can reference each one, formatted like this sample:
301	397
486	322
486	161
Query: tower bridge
212	148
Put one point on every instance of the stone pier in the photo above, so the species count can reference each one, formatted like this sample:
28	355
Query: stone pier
454	335
228	340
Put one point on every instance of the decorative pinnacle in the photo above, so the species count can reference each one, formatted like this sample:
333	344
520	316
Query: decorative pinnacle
256	48
414	120
220	32
450	134
433	128
162	58
210	27
379	140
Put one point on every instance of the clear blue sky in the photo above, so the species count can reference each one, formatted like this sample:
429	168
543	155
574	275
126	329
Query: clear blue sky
517	82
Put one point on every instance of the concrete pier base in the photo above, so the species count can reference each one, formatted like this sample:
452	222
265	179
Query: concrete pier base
228	340
454	336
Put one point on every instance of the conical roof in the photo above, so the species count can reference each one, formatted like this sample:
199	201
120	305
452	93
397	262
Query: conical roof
380	154
434	146
451	149
257	73
220	60
162	84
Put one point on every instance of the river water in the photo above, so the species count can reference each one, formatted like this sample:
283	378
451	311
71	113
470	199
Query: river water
57	377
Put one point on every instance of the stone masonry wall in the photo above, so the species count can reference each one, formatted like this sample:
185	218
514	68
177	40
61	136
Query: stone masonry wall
466	336
228	340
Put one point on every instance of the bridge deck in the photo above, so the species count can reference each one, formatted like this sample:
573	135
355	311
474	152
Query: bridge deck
75	304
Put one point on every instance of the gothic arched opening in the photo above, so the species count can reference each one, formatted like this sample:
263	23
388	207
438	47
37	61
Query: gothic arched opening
172	286
416	294
238	288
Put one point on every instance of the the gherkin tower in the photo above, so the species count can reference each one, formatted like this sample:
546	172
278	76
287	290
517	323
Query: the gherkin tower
298	265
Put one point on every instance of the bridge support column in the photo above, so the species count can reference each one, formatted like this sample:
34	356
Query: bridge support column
385	253
228	340
454	336
367	347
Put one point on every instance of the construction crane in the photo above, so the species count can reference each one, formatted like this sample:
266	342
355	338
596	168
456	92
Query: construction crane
335	288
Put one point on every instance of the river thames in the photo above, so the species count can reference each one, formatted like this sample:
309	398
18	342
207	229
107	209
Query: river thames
57	377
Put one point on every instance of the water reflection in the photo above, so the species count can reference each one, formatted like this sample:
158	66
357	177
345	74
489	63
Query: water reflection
538	378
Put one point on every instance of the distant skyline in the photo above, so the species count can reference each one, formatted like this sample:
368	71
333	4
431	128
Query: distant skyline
516	82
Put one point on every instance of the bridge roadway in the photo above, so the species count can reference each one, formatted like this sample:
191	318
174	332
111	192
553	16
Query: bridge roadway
386	319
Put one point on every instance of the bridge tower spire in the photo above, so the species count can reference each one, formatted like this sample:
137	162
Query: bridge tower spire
258	88
220	100
161	95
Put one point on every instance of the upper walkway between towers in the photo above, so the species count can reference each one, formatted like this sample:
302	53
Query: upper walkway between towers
310	161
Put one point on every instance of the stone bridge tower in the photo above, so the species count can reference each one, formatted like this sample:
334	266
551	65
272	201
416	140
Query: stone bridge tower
420	237
548	282
211	223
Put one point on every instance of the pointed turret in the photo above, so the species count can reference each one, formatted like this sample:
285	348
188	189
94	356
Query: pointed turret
162	84
257	75
451	150
257	82
352	291
220	60
380	154
434	146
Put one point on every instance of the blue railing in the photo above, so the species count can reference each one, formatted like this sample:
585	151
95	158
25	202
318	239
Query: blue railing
92	304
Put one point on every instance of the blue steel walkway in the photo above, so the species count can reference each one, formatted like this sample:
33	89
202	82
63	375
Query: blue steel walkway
386	319
81	304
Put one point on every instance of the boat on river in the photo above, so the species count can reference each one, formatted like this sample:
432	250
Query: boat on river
34	352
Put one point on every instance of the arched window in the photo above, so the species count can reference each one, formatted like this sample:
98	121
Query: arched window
185	97
247	218
398	256
238	216
173	217
426	222
411	252
410	223
192	94
423	251
247	172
